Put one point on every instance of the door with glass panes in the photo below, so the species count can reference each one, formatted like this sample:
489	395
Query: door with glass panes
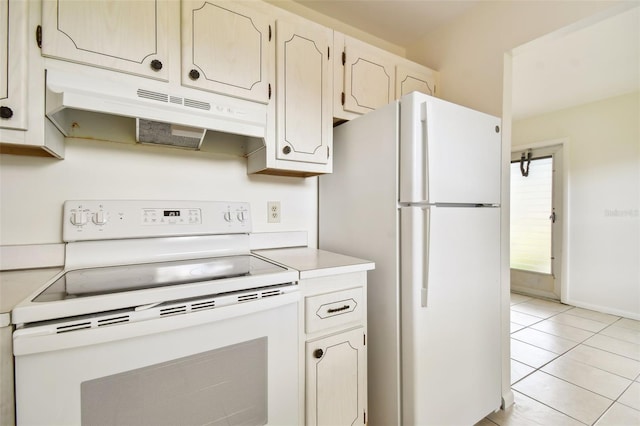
536	221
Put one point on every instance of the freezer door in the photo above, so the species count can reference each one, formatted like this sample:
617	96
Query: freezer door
450	303
448	153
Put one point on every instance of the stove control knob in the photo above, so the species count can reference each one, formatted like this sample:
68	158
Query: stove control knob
227	216
78	218
100	218
242	216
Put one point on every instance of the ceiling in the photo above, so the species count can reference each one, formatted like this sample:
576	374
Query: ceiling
585	65
592	63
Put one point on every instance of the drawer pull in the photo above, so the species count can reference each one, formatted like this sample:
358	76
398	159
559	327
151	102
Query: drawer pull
340	309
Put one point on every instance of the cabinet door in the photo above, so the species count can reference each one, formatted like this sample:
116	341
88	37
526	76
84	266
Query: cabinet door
368	77
304	82
335	383
411	77
127	36
13	59
226	48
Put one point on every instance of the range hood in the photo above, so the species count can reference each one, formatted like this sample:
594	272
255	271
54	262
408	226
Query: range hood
79	105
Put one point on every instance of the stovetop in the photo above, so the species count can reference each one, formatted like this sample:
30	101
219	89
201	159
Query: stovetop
92	282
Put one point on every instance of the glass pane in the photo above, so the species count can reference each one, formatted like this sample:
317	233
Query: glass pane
225	386
530	210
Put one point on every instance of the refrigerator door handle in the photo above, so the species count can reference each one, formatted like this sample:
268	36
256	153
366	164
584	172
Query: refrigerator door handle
424	169
426	223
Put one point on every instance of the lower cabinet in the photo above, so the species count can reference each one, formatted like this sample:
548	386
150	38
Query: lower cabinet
335	324
335	382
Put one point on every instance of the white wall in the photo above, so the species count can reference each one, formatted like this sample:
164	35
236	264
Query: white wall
33	189
468	53
603	246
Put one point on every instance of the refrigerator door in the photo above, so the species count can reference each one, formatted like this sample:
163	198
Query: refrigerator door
450	303
448	153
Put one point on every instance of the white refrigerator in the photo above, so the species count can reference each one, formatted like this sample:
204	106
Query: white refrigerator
416	188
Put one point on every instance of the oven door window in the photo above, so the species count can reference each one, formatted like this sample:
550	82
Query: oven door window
219	387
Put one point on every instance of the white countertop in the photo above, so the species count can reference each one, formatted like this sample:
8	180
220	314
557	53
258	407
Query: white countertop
313	263
15	286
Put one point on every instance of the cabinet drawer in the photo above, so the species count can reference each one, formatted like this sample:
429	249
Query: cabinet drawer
334	309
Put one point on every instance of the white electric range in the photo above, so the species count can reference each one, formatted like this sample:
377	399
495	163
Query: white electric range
161	316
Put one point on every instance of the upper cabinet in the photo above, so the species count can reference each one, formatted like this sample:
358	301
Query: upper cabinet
304	92
368	77
227	48
22	122
124	36
13	59
412	77
304	76
299	140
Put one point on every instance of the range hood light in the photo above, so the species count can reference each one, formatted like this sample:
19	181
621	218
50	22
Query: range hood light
158	133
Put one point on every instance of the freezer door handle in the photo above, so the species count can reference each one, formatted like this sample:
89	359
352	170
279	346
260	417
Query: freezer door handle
424	182
425	256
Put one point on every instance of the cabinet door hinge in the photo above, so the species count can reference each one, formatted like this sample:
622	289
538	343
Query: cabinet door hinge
344	58
269	32
39	36
342	98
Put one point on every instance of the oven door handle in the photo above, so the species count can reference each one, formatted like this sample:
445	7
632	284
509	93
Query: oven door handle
33	340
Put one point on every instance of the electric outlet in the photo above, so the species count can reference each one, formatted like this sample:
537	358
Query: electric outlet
273	211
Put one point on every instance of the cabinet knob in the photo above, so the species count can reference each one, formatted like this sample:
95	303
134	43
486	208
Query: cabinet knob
318	353
286	149
6	112
156	65
194	74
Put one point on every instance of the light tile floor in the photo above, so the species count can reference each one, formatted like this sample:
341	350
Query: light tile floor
571	366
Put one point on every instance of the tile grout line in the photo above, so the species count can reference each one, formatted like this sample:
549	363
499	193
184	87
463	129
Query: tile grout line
558	356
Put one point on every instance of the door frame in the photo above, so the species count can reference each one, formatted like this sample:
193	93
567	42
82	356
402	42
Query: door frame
561	205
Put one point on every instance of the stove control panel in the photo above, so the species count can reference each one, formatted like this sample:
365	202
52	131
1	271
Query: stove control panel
116	219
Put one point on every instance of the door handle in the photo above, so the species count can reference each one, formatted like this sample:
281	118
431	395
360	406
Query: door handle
553	217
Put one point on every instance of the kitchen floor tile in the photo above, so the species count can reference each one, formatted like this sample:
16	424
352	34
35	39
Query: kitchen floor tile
619	415
515	327
579	322
565	397
604	360
519	370
485	422
631	397
529	412
533	309
621	333
519	298
593	315
586	376
524	319
620	347
561	330
549	304
628	323
544	340
530	355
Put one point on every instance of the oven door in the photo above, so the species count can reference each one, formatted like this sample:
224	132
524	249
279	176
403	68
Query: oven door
231	365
